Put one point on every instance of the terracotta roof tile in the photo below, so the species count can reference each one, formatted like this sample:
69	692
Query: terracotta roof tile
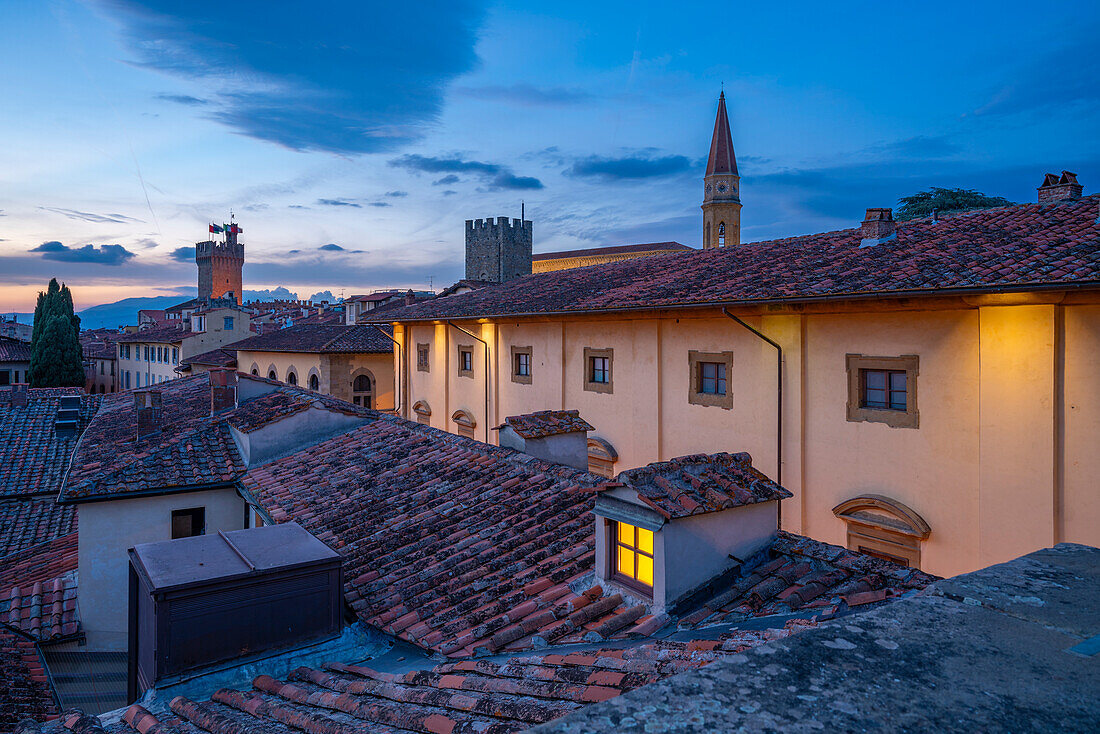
1025	245
25	691
27	522
33	456
38	590
14	350
224	357
546	423
319	338
701	483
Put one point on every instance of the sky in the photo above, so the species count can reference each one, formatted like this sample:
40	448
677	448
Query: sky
351	140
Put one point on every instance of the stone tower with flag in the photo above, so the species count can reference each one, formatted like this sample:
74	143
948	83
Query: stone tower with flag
220	264
721	187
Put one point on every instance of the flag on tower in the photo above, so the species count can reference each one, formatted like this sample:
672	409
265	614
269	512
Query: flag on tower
215	229
233	228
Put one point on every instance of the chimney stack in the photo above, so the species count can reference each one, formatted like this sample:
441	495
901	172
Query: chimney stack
147	410
223	389
410	299
878	226
19	394
1064	188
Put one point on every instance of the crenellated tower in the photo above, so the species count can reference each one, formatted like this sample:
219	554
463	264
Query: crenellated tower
721	187
498	251
220	265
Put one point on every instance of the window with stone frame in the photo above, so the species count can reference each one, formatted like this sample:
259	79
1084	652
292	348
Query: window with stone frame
599	367
464	423
465	360
601	457
521	365
422	354
883	390
423	412
709	379
882	527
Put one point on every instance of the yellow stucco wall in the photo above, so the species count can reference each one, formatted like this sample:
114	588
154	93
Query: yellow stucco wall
335	372
1003	462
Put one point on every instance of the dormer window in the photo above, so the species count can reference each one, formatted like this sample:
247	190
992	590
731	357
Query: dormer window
633	554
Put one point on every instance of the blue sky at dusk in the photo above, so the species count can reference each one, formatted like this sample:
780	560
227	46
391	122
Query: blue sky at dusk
352	139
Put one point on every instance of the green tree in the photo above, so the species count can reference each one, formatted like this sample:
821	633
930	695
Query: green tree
945	201
57	359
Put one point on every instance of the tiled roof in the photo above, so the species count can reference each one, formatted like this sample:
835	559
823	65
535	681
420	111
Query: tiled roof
25	691
38	590
194	303
1021	246
320	338
464	283
799	574
166	334
546	423
98	349
192	448
612	250
223	357
33	457
14	350
446	541
512	695
27	522
701	483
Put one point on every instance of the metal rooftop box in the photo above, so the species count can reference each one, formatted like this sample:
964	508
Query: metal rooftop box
202	600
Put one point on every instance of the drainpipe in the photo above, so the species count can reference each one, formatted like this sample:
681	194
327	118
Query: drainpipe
400	377
778	398
474	336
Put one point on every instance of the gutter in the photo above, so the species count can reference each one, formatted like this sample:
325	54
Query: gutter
778	407
474	336
831	298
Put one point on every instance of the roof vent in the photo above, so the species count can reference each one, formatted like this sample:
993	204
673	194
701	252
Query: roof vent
1059	188
147	410
17	396
67	421
878	227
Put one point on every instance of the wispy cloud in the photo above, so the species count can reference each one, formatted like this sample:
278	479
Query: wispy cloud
493	174
338	202
630	167
301	75
90	216
90	254
184	99
527	95
396	194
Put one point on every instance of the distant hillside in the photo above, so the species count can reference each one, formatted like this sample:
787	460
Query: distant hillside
124	312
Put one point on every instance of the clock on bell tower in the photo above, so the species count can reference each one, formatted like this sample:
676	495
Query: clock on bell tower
721	187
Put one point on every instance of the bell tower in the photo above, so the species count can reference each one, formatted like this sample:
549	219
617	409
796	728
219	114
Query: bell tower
721	187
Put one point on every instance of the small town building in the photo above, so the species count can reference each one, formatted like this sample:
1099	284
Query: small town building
15	360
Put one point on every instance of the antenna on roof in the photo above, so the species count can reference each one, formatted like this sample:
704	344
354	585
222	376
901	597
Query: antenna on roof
522	214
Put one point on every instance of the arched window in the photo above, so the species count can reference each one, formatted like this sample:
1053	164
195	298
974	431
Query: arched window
423	412
271	375
721	234
883	528
601	457
314	383
362	391
255	372
464	423
291	378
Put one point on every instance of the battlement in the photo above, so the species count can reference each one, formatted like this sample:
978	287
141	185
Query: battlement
500	223
219	249
498	250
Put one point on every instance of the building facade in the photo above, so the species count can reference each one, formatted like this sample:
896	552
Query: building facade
220	265
721	187
151	356
498	251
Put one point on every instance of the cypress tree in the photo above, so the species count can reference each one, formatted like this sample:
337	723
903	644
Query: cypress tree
57	359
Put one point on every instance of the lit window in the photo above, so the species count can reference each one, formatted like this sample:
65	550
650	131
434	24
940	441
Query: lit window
633	553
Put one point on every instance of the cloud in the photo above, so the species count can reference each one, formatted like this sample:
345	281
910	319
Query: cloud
90	217
494	174
91	254
449	192
447	180
396	194
331	247
527	95
146	243
632	167
338	202
300	75
183	254
380	203
322	296
1058	79
184	99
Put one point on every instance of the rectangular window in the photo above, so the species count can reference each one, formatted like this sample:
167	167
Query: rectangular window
883	390
633	554
188	523
175	356
712	378
160	354
228	323
465	361
521	365
146	352
138	379
598	366
422	364
708	381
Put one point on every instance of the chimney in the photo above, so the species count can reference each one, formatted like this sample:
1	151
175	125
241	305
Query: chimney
878	227
223	389
1055	188
147	410
19	394
410	299
556	436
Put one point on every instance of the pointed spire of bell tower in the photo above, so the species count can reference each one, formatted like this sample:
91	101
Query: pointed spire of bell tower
721	186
